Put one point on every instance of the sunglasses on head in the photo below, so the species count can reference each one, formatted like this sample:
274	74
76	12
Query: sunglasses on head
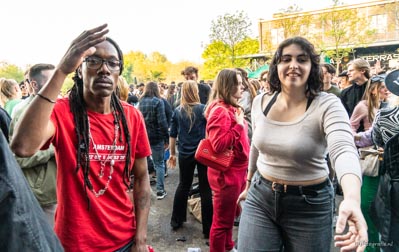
377	78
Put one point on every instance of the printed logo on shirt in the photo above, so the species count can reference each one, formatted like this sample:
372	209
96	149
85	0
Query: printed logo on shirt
104	152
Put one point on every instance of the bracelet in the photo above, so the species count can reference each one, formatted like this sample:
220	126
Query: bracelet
45	98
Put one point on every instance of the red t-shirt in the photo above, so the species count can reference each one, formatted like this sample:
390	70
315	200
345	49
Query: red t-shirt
110	222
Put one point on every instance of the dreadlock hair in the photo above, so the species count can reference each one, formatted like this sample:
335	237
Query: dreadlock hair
79	111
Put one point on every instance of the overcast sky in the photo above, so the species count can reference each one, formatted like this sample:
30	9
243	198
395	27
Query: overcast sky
34	31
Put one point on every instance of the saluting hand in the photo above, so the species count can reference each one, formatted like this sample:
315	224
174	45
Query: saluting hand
82	47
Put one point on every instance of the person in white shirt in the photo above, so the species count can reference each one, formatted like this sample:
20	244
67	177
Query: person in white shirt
289	198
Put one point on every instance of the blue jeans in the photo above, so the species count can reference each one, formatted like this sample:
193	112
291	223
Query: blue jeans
158	153
273	220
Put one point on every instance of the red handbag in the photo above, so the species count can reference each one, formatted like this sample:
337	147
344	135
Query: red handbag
206	156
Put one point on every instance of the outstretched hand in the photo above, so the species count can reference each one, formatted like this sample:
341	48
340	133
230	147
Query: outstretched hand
82	47
378	68
356	236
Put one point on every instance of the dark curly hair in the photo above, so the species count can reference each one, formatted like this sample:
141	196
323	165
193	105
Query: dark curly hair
315	80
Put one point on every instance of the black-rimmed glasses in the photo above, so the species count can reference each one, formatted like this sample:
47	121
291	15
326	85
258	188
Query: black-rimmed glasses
95	63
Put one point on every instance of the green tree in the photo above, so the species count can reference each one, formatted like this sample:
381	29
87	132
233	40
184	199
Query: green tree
68	83
293	26
230	42
230	29
153	67
128	72
10	71
157	76
136	63
217	56
159	66
342	33
291	9
244	47
392	9
287	24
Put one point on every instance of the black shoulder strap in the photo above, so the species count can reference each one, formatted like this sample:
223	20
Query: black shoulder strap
271	102
308	103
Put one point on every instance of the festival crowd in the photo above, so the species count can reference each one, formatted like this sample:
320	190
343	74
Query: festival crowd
78	168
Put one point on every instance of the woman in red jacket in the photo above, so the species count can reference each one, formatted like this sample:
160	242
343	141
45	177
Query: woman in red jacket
226	128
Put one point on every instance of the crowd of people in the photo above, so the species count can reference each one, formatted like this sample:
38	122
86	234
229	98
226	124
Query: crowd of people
90	157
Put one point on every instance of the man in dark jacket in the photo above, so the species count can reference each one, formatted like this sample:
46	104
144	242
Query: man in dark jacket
359	74
5	121
191	73
23	225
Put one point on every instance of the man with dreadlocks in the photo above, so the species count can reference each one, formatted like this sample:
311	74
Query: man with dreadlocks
101	147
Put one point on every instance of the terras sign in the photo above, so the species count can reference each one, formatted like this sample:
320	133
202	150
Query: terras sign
381	57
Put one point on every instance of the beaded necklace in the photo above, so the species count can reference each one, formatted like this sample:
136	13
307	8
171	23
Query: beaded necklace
109	159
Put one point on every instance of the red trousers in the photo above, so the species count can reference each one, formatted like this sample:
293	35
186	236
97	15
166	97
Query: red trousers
226	187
